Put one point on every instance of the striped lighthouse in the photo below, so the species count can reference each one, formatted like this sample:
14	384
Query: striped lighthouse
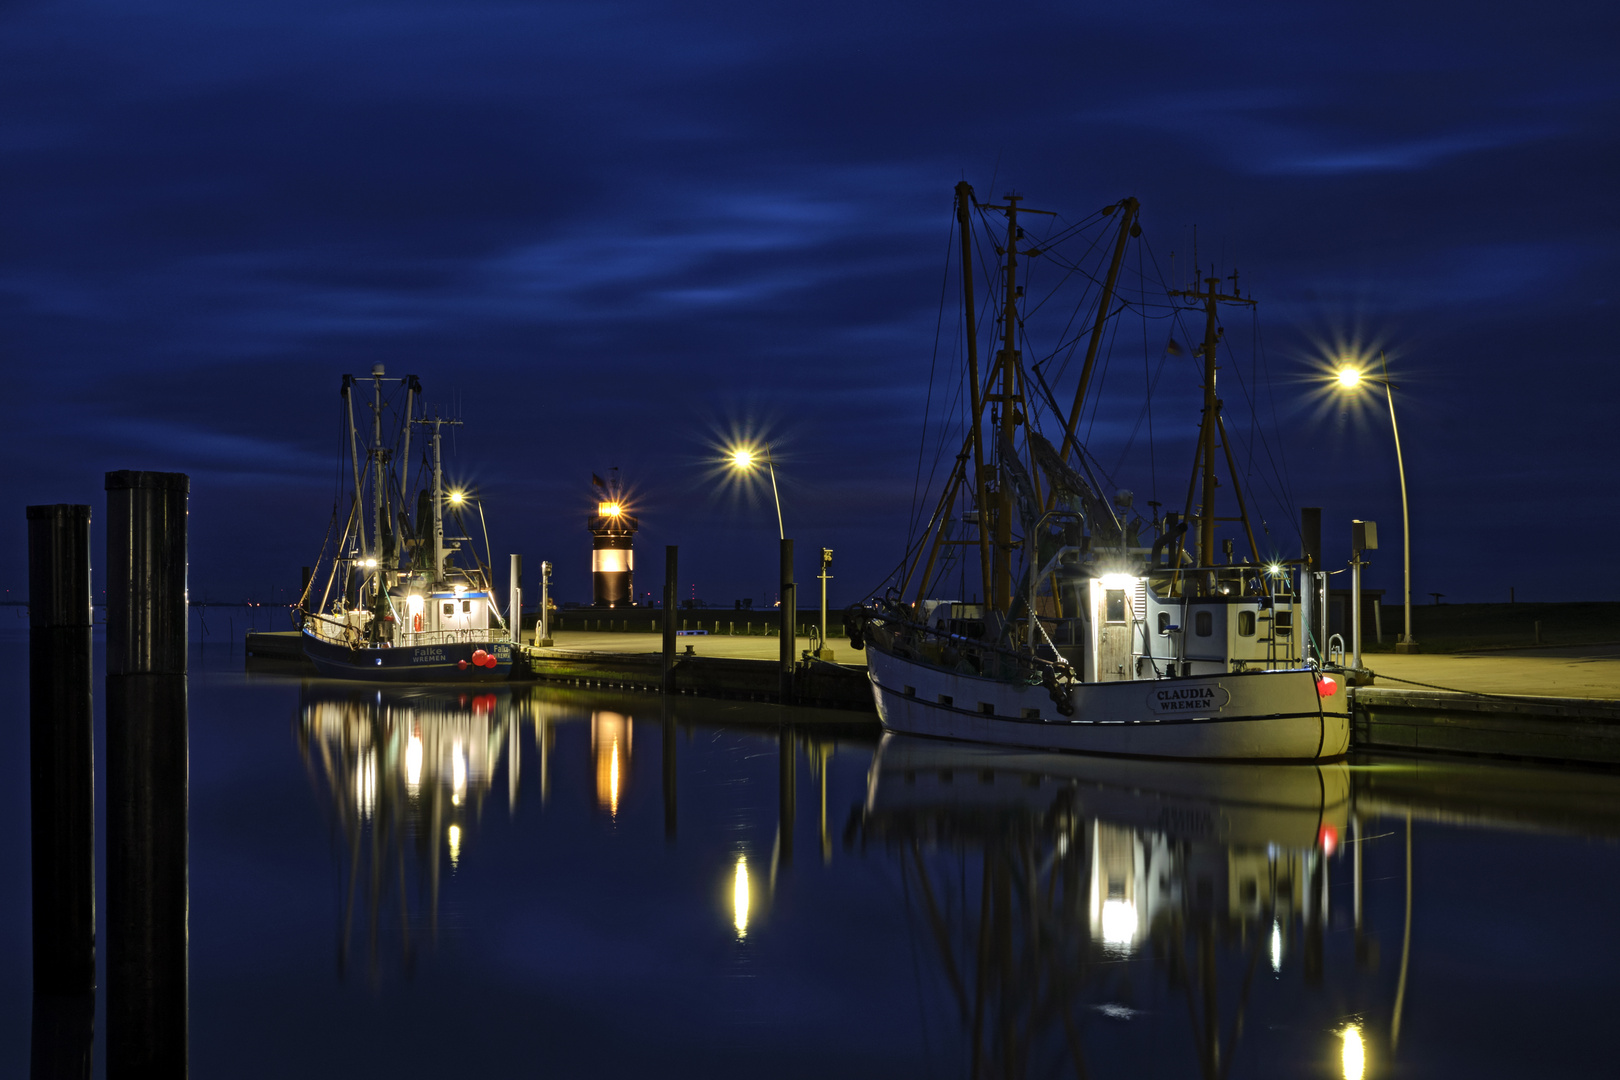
613	560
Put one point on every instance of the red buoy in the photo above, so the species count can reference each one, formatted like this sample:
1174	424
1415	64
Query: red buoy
1326	686
1327	838
462	664
478	657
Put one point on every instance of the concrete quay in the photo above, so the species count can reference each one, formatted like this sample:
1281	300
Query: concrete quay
1549	704
708	665
1558	704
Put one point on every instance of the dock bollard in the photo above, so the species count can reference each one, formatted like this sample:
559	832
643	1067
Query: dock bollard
147	758
670	562
786	614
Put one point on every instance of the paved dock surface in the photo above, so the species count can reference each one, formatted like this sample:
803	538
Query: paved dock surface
1570	671
721	646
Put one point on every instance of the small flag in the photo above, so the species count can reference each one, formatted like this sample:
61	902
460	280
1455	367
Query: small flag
598	481
1174	348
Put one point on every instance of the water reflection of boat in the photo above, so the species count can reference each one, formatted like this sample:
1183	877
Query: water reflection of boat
406	773
1210	870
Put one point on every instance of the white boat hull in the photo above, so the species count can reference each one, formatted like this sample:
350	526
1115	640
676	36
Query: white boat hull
1239	716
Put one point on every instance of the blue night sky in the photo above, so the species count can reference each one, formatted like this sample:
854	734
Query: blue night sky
616	233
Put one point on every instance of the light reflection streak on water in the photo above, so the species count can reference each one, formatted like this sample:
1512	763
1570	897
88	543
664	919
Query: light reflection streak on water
1353	1055
458	773
613	807
365	784
413	763
1119	923
454	836
739	898
1276	946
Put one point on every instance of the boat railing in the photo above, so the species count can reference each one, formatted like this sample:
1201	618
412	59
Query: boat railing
489	635
904	627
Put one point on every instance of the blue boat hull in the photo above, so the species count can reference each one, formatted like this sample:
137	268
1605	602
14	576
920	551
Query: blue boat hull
409	663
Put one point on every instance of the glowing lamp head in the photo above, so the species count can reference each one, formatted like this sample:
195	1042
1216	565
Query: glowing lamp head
742	459
609	509
456	497
1274	569
1349	378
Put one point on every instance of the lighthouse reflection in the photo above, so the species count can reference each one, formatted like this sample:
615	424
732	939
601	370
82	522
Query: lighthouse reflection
1040	883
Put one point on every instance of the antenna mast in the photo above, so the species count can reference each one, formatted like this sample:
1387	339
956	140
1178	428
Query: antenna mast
1210	424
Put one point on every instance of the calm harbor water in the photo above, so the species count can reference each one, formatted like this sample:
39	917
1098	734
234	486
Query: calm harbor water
536	881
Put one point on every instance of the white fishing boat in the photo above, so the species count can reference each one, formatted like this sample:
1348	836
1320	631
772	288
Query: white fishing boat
399	601
1090	630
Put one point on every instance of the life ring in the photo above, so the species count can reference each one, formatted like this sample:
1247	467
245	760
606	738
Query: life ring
416	622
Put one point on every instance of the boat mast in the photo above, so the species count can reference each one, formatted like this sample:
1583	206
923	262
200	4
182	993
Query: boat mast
436	423
438	507
964	199
378	483
1210	422
1006	361
354	459
1128	228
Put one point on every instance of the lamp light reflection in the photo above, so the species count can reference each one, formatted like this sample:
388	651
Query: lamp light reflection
458	774
613	782
739	898
365	783
413	762
1119	922
455	845
1276	947
1354	1055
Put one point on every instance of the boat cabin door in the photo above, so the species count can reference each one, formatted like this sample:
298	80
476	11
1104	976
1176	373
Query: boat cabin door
1113	615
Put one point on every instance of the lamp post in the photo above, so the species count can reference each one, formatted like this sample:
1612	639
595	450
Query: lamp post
1350	378
743	459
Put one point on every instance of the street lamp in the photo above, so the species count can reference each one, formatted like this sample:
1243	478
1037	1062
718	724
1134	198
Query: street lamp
1350	379
745	459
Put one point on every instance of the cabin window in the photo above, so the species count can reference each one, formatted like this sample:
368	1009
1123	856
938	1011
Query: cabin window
1114	605
1245	624
944	699
1032	714
911	691
1203	624
1164	623
449	607
466	607
987	708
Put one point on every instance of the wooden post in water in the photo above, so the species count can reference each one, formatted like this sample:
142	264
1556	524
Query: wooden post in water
670	562
61	750
62	789
147	760
789	609
786	792
669	773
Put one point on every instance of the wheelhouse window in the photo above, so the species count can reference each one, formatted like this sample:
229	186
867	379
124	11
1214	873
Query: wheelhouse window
1164	623
1114	605
1245	624
1203	624
449	607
